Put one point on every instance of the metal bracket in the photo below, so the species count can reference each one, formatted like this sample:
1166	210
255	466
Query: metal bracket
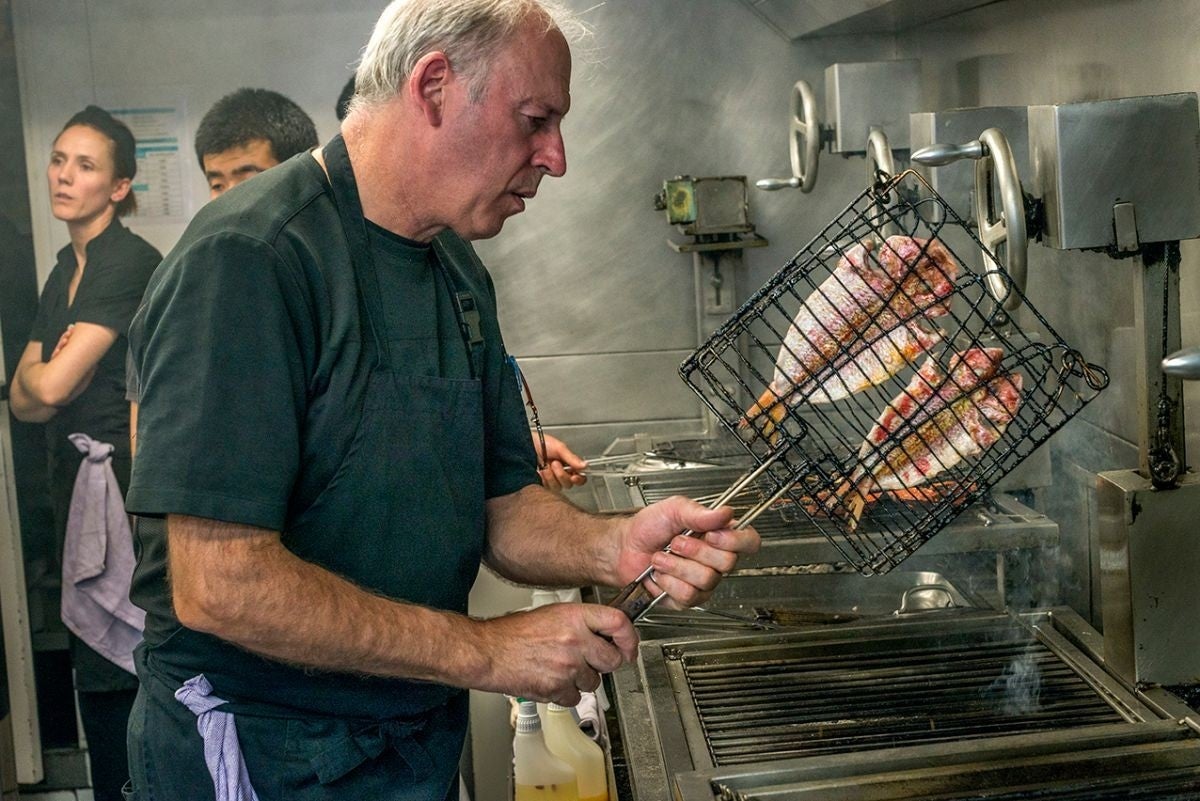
1125	227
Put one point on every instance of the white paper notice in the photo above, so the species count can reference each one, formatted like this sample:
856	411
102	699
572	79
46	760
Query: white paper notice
159	180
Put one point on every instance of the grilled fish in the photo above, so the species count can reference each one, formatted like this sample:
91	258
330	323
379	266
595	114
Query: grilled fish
966	427
930	390
871	306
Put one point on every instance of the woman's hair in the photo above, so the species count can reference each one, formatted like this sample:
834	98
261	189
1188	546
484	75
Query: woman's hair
469	32
124	148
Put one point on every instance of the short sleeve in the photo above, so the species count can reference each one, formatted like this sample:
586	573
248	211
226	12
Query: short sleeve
115	289
41	323
509	456
222	346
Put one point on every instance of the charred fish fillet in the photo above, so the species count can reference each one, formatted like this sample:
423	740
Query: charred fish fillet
856	311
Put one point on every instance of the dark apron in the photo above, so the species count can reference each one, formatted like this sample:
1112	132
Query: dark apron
403	516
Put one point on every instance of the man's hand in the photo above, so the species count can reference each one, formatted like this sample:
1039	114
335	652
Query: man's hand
559	457
691	571
554	652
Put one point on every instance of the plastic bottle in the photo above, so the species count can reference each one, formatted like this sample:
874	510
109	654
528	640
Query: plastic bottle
568	743
538	774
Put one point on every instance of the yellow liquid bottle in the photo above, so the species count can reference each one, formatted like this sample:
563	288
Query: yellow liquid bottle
568	743
538	775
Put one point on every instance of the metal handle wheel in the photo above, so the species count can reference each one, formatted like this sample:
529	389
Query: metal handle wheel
804	143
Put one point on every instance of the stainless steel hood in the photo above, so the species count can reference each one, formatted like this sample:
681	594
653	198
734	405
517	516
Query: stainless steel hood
796	19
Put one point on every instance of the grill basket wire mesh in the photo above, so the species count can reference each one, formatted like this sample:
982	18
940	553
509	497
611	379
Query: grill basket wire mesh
815	444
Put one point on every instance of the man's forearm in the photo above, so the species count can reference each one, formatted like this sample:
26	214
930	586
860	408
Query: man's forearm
537	537
239	585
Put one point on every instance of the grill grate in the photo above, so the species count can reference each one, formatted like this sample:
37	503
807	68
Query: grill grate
827	346
763	709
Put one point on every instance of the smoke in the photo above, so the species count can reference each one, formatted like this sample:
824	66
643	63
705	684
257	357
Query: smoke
1019	686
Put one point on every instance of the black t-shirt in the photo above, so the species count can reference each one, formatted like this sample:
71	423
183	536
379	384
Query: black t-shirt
119	265
254	363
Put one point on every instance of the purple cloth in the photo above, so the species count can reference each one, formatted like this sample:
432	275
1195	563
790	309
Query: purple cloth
98	560
222	752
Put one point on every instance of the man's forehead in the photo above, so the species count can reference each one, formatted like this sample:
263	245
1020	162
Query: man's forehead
254	153
539	63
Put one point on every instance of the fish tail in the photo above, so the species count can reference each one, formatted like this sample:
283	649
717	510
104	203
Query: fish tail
769	404
848	501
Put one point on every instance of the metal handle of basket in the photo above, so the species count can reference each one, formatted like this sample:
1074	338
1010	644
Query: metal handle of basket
997	226
880	160
804	143
635	600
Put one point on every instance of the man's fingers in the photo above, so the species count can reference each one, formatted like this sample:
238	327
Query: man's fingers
615	628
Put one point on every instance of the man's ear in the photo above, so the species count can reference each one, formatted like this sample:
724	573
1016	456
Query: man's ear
427	85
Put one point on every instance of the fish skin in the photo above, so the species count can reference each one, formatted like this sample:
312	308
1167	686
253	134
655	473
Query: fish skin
930	390
876	362
967	427
864	299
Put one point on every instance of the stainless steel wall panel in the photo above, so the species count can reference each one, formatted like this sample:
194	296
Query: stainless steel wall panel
1089	156
607	387
874	94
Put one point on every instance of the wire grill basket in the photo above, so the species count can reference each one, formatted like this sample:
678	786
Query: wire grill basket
879	384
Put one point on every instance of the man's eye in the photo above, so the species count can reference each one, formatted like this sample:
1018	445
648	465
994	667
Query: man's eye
536	123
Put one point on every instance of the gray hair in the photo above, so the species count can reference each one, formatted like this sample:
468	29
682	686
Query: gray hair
469	32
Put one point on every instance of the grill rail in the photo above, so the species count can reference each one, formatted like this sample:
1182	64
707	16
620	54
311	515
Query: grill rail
1157	761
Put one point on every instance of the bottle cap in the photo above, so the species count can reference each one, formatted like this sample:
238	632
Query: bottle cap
527	718
553	707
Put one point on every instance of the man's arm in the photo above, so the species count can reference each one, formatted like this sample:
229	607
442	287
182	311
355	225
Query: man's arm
40	388
536	537
240	584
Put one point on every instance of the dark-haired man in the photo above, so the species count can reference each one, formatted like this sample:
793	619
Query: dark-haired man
247	132
244	133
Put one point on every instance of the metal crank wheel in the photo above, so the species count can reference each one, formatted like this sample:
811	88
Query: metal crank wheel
804	143
999	210
881	168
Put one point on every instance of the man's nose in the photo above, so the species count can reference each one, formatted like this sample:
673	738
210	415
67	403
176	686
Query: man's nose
551	155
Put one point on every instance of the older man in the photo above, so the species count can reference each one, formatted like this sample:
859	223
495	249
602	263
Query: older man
306	351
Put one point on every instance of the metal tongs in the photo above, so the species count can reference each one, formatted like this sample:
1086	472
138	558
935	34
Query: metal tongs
635	599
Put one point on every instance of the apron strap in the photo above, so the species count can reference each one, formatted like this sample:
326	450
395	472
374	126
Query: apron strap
347	751
354	226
